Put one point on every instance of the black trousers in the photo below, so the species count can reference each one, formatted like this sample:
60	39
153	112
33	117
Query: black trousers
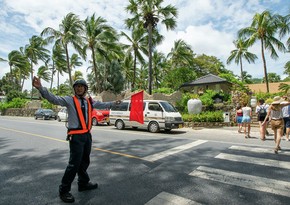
80	149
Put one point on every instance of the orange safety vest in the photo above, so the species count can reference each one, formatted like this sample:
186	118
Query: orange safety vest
84	127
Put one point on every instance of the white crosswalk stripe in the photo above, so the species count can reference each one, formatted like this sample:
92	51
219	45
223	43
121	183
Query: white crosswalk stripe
243	180
254	160
172	151
258	183
257	150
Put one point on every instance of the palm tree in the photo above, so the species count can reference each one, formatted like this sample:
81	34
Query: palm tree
35	51
127	71
158	64
69	33
58	63
180	55
239	53
75	61
99	38
137	47
18	62
283	23
284	29
44	73
77	75
263	29
147	14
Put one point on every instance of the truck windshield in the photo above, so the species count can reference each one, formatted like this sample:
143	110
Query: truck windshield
168	107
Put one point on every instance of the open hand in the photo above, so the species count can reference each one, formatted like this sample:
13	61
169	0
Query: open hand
36	82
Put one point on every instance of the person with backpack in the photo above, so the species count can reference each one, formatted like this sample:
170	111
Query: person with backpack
261	111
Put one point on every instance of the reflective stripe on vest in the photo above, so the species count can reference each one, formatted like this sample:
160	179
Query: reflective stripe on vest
84	128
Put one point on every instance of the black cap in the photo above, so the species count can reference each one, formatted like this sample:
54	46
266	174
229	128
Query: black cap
80	82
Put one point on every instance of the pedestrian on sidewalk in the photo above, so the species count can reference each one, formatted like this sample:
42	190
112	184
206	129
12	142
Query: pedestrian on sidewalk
246	120
261	111
286	118
239	117
79	109
276	119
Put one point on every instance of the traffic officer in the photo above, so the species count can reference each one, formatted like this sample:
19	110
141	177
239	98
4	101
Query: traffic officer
80	139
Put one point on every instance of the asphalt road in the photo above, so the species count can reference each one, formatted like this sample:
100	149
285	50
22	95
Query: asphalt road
135	167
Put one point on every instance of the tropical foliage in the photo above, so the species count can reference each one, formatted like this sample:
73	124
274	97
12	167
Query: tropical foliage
130	60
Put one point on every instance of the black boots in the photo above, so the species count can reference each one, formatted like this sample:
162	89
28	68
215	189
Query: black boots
88	186
67	197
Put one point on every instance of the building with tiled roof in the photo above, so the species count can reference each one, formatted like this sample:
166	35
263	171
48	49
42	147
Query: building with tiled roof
207	82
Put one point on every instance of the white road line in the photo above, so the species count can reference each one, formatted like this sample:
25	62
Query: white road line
243	180
172	151
254	160
258	150
165	198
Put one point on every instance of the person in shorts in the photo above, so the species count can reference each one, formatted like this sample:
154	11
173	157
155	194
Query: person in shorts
286	118
246	120
261	111
239	117
277	123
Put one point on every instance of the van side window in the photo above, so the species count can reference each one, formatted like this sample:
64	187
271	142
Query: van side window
143	106
154	107
120	107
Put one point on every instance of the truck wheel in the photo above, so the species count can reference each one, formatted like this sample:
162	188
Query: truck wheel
153	127
120	124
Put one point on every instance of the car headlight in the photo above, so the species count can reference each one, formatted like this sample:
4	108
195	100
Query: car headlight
169	119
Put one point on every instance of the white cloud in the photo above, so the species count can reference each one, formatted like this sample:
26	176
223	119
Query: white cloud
209	26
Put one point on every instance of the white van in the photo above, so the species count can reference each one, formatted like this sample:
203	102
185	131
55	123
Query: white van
158	114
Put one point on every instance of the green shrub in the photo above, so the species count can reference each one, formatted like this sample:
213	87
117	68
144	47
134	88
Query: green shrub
47	105
216	116
182	104
14	103
163	90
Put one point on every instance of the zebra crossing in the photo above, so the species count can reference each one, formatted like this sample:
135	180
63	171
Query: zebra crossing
269	185
237	178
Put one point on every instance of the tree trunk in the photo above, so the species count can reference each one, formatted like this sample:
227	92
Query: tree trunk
68	67
265	67
95	71
134	69
241	65
31	71
150	59
52	73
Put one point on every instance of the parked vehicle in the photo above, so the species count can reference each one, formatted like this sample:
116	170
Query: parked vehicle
100	116
158	114
45	114
62	114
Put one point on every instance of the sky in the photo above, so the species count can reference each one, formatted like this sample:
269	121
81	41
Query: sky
208	26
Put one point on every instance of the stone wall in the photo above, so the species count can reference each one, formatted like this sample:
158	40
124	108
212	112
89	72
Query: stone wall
23	112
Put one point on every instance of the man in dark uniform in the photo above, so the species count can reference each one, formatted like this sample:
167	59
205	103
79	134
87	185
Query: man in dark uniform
80	140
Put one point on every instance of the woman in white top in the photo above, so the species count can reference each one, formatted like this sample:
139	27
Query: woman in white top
246	120
277	123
